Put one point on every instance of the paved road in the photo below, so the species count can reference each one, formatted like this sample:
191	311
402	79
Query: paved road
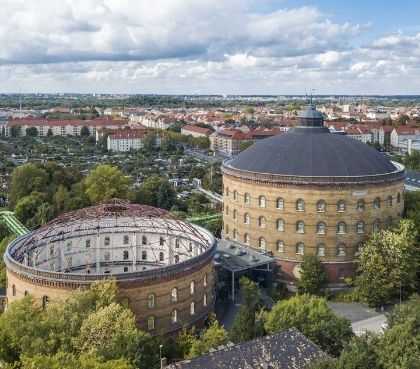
374	325
363	319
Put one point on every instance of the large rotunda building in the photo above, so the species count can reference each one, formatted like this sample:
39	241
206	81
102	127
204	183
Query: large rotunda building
310	192
163	266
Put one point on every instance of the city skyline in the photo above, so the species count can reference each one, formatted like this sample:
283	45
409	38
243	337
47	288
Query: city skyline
210	47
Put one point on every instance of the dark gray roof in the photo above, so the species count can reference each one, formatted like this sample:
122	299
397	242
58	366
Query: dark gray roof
289	349
310	113
312	152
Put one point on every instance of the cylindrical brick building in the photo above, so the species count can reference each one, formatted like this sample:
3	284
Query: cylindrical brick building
309	191
162	266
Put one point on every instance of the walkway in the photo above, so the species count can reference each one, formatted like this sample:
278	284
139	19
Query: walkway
9	219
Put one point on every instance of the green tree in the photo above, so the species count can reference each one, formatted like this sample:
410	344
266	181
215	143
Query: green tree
311	316
245	325
61	200
166	195
147	193
313	277
26	179
84	132
32	132
388	265
3	245
214	336
49	132
149	143
106	182
63	360
109	332
33	210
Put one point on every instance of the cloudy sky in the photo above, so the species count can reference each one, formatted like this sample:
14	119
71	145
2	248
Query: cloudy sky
210	46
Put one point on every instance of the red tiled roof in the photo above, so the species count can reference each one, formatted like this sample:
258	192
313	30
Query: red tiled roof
128	133
65	122
197	129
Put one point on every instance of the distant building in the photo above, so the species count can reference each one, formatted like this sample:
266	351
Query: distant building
289	349
360	133
229	141
196	131
400	136
153	121
124	140
61	127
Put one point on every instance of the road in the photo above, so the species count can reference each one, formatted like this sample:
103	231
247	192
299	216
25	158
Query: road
375	325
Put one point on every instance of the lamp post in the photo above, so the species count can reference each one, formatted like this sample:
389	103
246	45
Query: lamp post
160	356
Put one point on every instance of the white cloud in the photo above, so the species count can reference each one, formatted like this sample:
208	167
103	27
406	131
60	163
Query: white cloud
207	46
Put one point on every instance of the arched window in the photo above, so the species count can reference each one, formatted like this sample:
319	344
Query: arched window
261	202
45	301
161	241
300	226
376	225
192	308
107	241
144	240
190	247
26	293
174	294
300	248
151	301
261	222
280	246
235	234
234	213
320	249
205	299
247	198
341	228
176	257
227	210
300	205
192	288
144	255
341	206
360	205
389	200
321	206
174	316
280	225
280	203
161	256
235	195
341	249
151	323
126	240
398	198
227	191
126	255
321	228
359	248
13	290
377	203
360	227
247	219
246	239
205	280
177	243
227	229
261	243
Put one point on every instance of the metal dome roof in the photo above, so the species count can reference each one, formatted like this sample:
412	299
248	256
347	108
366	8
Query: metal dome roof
312	152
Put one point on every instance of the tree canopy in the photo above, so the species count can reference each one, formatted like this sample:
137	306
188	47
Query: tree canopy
388	265
311	316
106	182
313	277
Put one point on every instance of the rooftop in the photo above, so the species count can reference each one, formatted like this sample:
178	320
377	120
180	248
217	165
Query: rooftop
289	349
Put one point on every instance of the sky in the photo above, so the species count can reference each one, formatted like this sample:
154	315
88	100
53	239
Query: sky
210	46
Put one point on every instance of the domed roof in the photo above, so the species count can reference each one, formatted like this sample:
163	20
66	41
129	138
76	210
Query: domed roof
310	150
